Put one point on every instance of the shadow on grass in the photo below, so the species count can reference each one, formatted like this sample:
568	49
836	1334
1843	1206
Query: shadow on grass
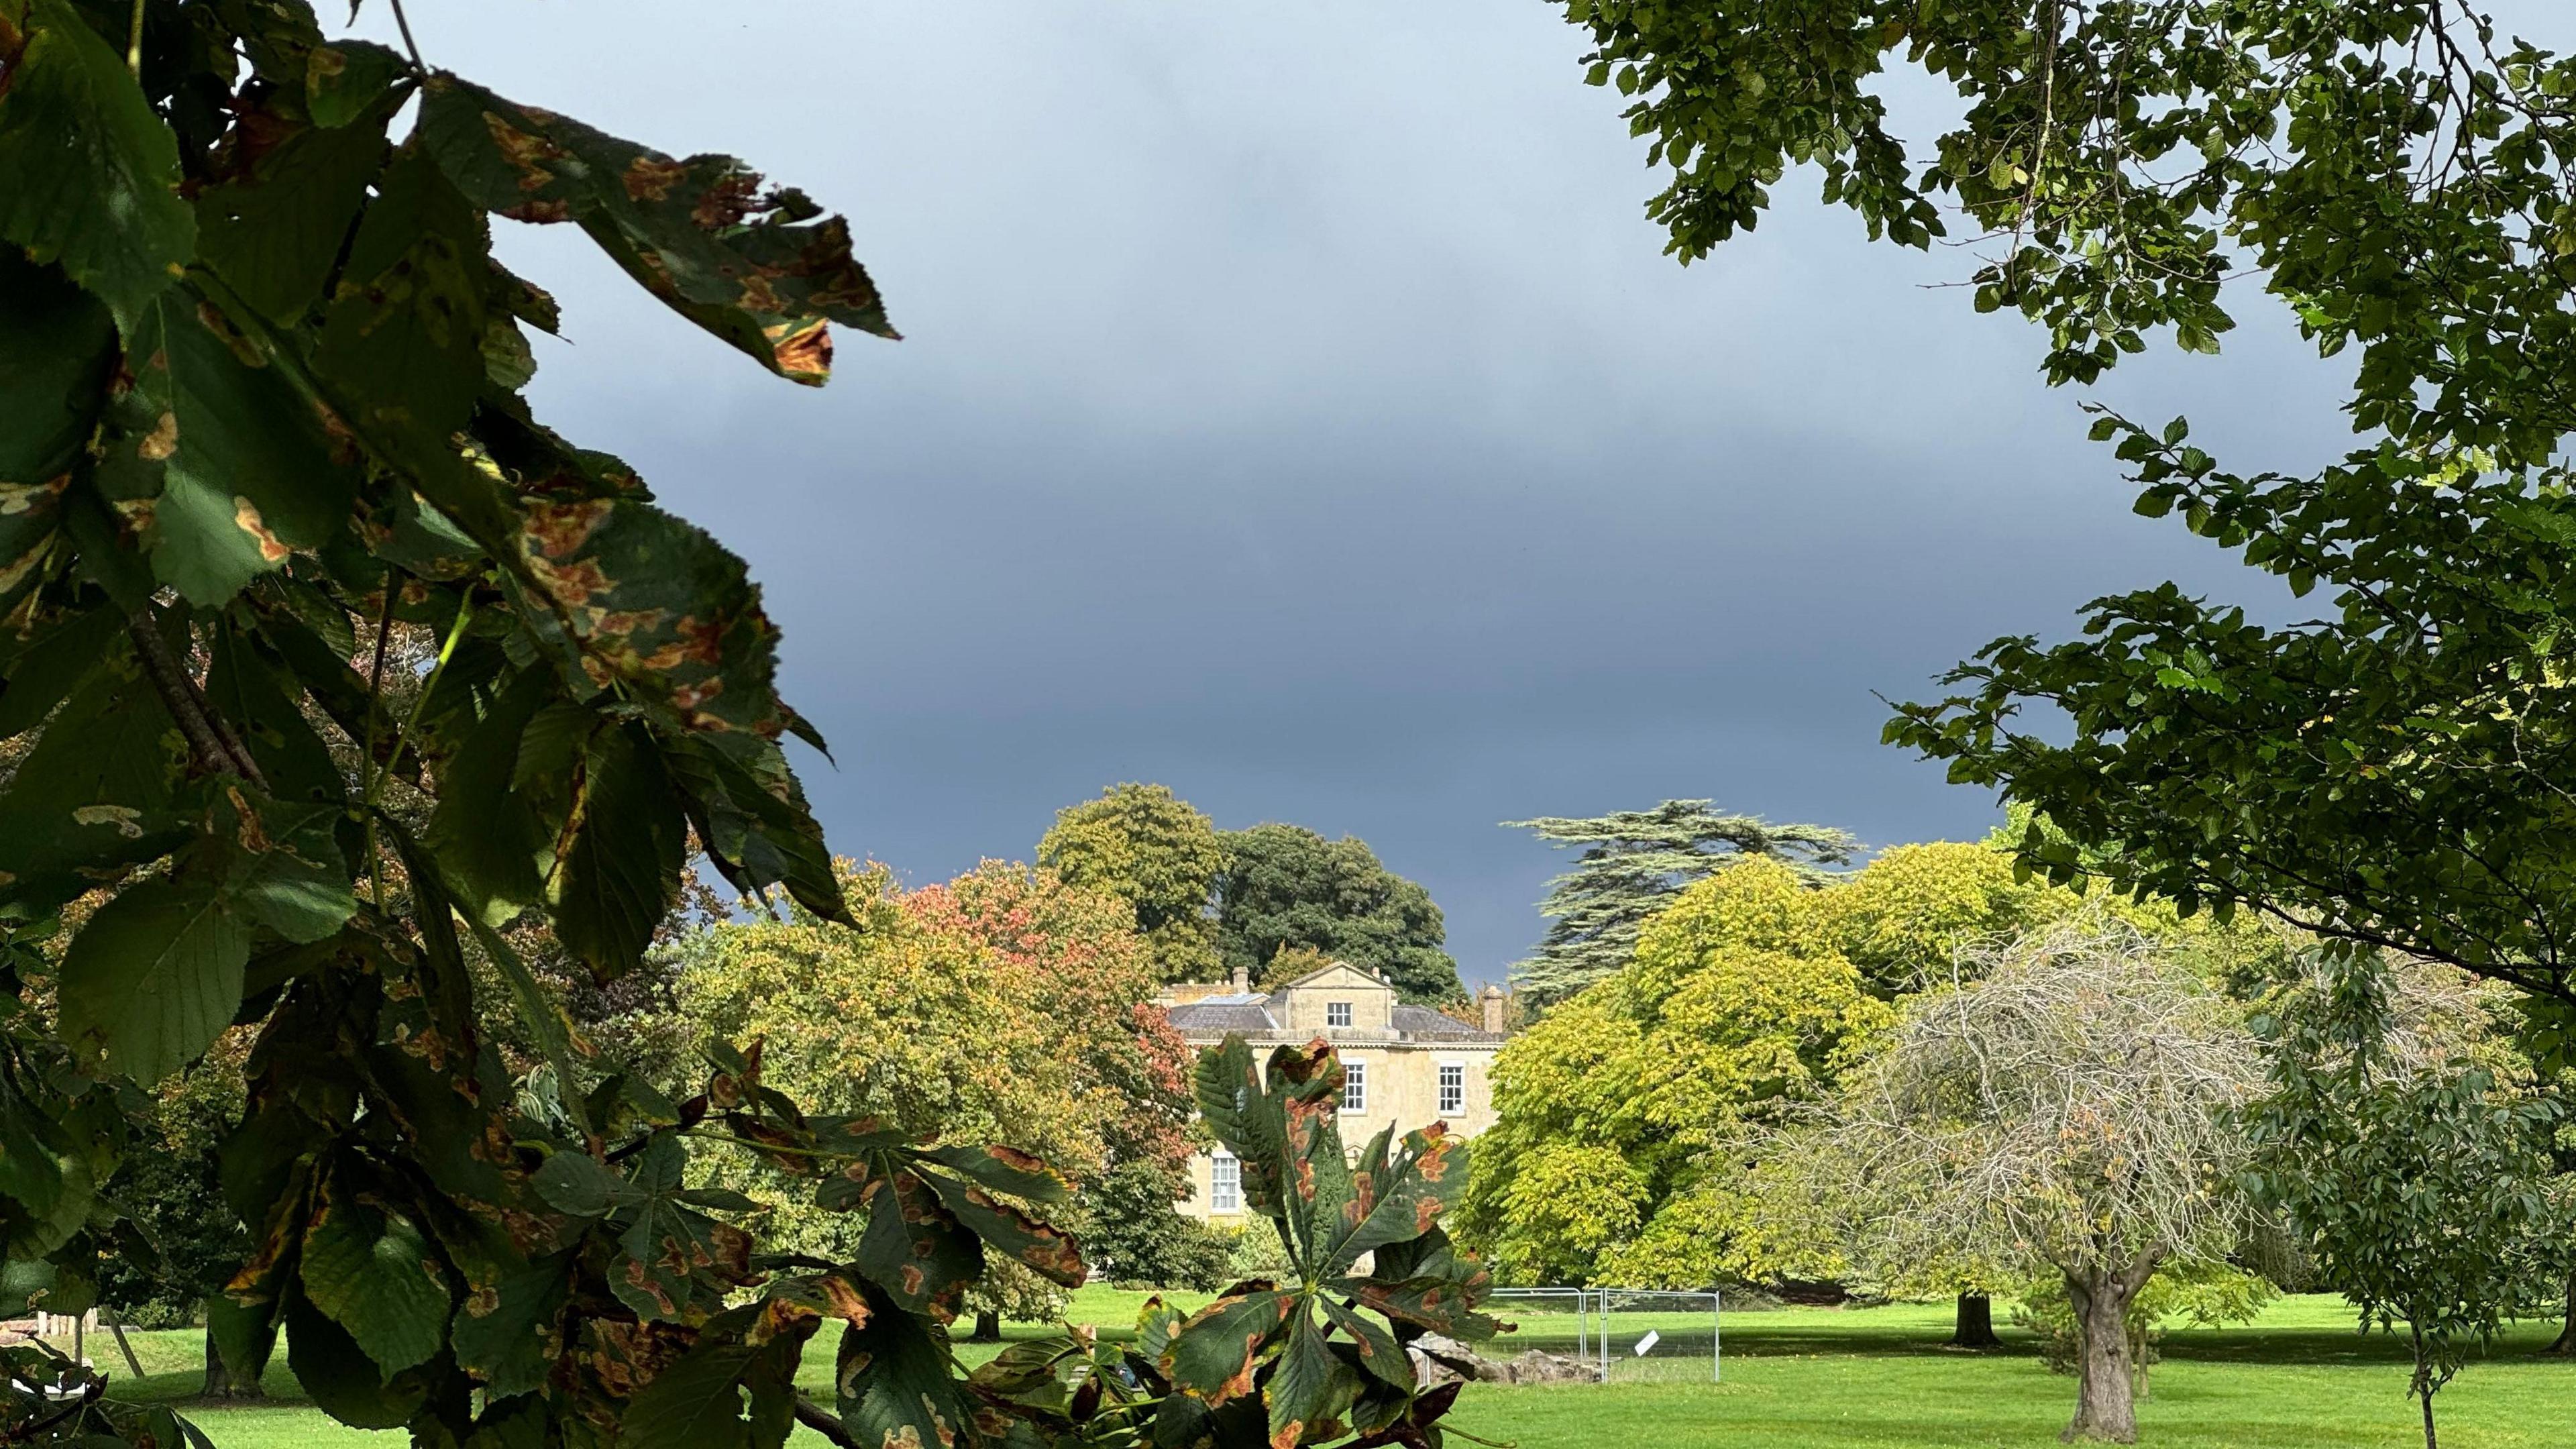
2524	1343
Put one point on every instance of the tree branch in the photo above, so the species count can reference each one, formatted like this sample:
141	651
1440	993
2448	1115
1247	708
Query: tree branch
209	738
824	1422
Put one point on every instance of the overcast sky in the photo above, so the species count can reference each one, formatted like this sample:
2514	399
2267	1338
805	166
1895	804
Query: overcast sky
1298	410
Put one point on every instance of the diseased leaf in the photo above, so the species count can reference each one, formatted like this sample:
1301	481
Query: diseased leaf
1377	1349
621	873
221	466
402	342
1309	1390
273	228
346	80
508	1327
281	864
752	818
1044	1249
1006	1169
371	1271
89	175
893	1381
1213	1355
695	1403
57	347
657	604
751	266
914	1250
1398	1199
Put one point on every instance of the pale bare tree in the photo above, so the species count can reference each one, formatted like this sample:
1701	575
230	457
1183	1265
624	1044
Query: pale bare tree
2067	1104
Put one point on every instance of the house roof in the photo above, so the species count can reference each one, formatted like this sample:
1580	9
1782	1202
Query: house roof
1424	1024
1216	1016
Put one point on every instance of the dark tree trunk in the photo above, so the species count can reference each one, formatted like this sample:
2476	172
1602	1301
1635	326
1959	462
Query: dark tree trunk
2105	1405
988	1327
1976	1327
2566	1343
223	1383
2424	1384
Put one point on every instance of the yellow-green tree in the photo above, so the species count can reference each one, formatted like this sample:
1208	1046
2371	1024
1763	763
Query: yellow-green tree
1004	1004
1737	1003
1632	1117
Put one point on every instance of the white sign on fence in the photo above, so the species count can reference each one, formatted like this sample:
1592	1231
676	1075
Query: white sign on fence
1648	1342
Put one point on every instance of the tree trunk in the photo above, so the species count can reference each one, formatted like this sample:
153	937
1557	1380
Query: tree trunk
988	1326
222	1383
2423	1382
1976	1326
2104	1405
2566	1343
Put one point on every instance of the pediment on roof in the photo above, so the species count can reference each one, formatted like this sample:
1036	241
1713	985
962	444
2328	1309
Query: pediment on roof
1337	976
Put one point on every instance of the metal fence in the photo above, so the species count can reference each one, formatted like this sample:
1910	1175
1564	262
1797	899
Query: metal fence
1624	1335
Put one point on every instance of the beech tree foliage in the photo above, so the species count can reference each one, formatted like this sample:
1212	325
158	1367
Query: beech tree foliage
2393	770
262	378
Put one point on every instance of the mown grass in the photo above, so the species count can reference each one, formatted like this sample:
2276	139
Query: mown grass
1873	1378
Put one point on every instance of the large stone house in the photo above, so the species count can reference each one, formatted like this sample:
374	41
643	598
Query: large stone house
1406	1065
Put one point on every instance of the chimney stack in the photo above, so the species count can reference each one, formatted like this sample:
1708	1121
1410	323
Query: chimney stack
1493	1001
1242	980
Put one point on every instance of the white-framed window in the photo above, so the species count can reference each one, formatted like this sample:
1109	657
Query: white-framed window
1354	1086
1337	1013
1453	1087
1225	1183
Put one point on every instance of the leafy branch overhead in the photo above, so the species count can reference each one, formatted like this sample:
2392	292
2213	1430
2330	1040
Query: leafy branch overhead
328	672
2393	770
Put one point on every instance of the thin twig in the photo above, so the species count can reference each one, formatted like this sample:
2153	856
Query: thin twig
403	22
420	701
134	42
367	759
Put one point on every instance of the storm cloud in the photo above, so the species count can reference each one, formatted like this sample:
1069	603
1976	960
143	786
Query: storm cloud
1298	410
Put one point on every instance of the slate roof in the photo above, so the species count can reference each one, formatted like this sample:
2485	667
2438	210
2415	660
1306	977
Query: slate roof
1250	1014
1219	1015
1423	1024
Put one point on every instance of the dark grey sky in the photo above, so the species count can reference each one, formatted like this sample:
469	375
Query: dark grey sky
1299	411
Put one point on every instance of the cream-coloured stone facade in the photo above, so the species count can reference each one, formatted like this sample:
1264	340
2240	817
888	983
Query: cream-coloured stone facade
1408	1066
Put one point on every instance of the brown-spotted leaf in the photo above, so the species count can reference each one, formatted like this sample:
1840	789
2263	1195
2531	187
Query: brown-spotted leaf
914	1248
751	265
1213	1356
1400	1198
1042	1247
656	604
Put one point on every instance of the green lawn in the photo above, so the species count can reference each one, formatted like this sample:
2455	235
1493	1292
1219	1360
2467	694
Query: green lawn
1823	1379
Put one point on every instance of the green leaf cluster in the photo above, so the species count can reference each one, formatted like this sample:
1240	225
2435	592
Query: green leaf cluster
2391	769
